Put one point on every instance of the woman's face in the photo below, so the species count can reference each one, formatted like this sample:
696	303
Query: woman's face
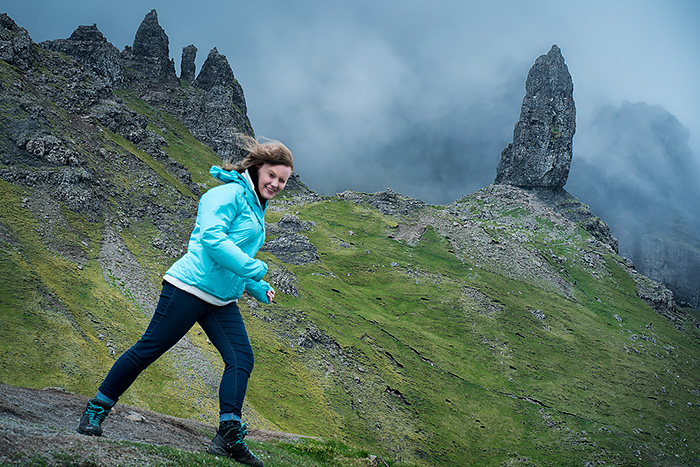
272	179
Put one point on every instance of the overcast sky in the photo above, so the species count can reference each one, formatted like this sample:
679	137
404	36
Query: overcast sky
418	96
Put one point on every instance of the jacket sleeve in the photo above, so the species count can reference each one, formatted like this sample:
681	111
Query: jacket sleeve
258	289
216	215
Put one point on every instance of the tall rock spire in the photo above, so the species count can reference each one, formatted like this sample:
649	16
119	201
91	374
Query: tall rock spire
149	58
151	39
187	65
541	151
216	71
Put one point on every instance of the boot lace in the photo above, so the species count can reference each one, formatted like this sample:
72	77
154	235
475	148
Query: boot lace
96	414
242	432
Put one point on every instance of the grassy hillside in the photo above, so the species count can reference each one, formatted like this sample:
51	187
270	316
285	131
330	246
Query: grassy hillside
436	358
492	331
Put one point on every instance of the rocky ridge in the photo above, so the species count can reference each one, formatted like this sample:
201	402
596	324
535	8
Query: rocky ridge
211	105
89	46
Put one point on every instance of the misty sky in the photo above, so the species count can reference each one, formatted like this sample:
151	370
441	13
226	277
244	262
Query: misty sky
417	96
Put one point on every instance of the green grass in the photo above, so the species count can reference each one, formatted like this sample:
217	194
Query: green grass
152	163
535	386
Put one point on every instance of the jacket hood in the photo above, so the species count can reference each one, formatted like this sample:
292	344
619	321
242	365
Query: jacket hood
228	176
243	179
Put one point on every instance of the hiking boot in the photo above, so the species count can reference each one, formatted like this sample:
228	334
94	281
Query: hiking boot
94	415
229	442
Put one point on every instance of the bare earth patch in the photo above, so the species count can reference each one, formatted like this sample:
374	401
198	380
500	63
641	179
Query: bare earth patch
43	422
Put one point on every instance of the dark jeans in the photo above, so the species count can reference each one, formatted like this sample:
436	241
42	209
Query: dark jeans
176	313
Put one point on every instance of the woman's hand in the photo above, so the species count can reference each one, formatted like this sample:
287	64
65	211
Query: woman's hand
271	294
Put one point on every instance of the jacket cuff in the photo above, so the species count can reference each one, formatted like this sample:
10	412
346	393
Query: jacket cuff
258	290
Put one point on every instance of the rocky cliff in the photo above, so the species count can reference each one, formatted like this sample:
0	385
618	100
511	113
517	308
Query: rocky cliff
673	260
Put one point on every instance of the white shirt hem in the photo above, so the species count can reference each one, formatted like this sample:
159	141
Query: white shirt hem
191	289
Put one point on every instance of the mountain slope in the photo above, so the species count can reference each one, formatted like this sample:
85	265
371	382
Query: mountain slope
502	328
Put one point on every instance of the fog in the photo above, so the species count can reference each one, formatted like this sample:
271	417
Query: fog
640	175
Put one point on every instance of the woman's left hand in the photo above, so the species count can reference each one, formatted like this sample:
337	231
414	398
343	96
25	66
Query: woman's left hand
271	294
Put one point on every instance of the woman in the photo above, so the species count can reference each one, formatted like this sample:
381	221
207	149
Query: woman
203	286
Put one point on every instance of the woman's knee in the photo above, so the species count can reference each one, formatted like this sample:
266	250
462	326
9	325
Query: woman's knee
240	360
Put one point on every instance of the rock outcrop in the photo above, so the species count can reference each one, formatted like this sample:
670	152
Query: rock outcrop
212	105
388	202
216	71
214	108
148	62
90	47
151	40
289	245
16	47
541	151
187	65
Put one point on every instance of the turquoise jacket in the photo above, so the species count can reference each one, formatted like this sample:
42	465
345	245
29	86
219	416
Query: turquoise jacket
228	232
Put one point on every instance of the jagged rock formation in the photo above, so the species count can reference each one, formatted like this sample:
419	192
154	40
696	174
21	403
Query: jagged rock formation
16	47
541	151
151	40
220	113
89	46
216	71
187	65
212	105
149	58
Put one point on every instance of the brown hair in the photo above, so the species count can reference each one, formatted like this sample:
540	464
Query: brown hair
270	152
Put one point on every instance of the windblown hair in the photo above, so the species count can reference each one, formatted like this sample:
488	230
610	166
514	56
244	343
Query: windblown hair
270	152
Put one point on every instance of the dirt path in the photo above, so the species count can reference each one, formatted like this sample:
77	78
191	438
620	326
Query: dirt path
34	421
